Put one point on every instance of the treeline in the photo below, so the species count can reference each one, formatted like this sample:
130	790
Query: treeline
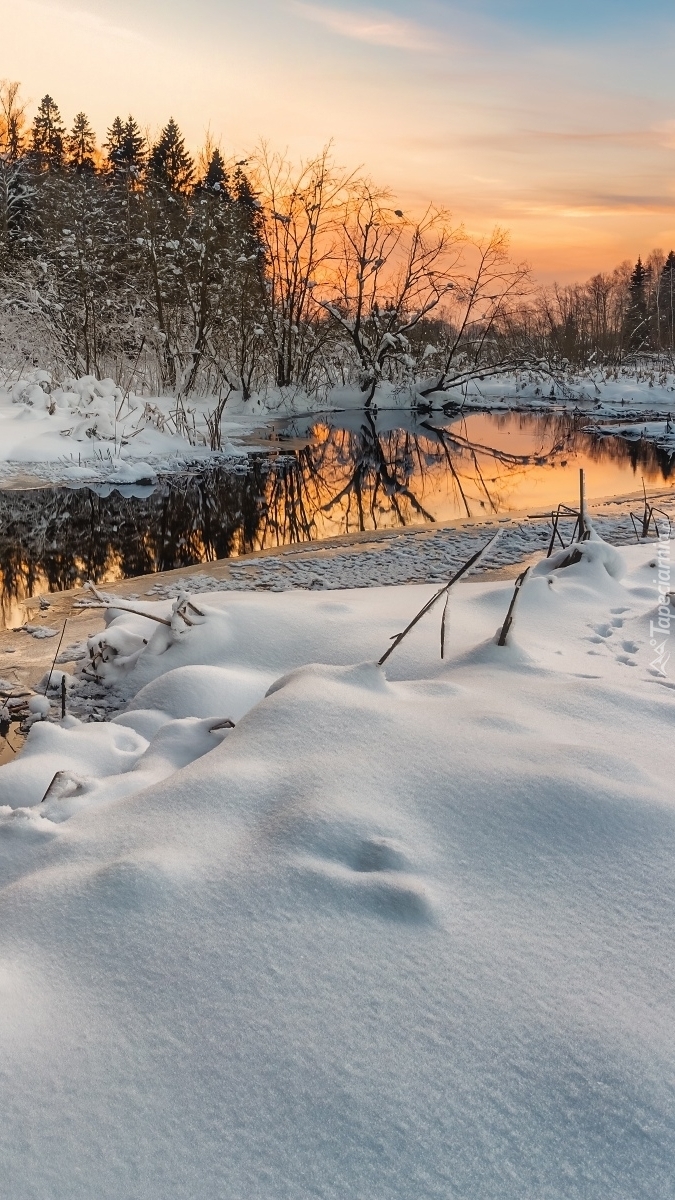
615	316
133	259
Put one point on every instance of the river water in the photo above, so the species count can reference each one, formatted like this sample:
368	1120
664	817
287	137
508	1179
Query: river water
311	480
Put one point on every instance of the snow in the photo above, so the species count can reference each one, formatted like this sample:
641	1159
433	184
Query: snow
409	555
88	430
400	932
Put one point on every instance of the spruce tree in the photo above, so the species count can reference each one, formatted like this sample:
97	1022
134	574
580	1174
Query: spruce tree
667	301
637	317
82	144
215	179
242	190
113	143
48	136
169	162
132	150
125	145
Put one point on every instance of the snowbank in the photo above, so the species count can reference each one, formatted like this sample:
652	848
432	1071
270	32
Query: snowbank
399	933
89	430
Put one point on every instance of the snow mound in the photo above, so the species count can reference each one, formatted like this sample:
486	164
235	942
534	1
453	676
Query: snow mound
400	932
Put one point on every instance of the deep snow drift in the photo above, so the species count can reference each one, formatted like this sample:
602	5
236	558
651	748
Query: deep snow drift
400	933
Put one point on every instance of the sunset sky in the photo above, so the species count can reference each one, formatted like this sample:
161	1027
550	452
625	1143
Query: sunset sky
555	118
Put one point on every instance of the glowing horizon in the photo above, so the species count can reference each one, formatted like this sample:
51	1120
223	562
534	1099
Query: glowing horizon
552	121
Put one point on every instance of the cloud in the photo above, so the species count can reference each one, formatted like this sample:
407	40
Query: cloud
601	205
376	28
86	21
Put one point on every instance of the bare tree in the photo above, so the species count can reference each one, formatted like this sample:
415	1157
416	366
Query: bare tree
390	274
301	210
486	293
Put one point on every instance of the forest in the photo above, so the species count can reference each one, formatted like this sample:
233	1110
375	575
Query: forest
133	260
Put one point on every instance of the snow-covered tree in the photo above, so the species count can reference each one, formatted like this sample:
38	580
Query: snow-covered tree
637	317
215	176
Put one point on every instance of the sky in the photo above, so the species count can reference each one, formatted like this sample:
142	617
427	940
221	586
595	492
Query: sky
552	118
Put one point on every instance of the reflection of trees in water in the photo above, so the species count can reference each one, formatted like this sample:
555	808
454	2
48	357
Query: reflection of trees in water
348	480
56	538
342	480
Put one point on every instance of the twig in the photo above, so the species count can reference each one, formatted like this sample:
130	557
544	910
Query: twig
122	608
126	391
445	609
475	558
49	677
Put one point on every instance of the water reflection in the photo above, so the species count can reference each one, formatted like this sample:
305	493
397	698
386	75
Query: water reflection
360	473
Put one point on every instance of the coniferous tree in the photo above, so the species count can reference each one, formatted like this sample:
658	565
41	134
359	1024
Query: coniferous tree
637	316
667	302
125	145
113	143
215	179
48	136
242	190
169	162
82	144
132	150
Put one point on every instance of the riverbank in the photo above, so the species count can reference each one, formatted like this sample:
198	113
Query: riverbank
90	431
361	560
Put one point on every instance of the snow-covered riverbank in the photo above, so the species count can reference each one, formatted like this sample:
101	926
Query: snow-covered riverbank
91	431
401	932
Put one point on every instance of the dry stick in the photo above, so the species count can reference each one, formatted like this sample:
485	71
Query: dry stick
555	517
121	608
583	532
430	603
49	677
445	610
509	616
63	694
126	392
554	522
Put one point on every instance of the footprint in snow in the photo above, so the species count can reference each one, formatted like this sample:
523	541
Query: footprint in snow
626	660
618	611
379	854
603	630
630	647
375	875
